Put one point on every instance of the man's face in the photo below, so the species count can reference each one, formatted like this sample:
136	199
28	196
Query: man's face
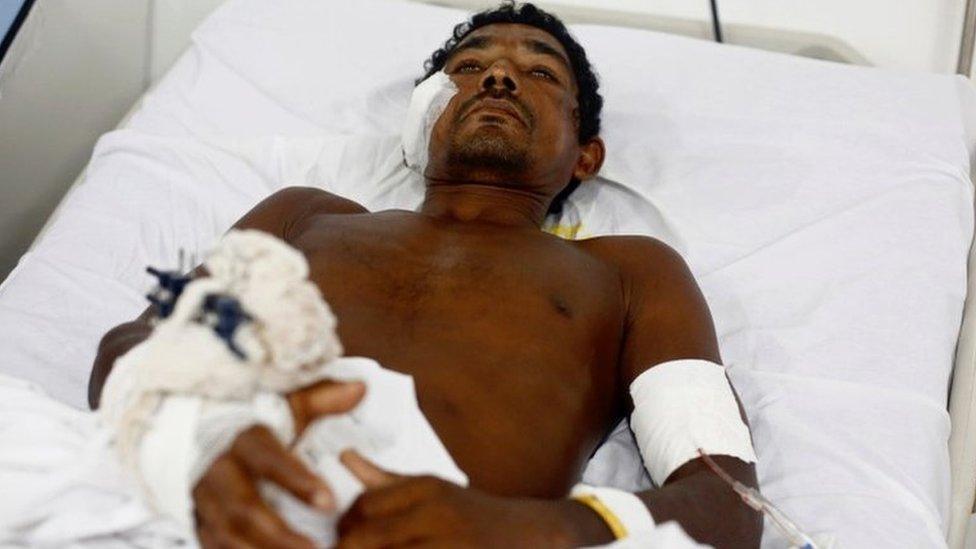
514	119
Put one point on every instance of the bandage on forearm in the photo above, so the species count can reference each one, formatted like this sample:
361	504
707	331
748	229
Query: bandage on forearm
681	406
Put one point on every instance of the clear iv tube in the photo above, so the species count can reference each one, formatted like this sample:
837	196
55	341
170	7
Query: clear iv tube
752	498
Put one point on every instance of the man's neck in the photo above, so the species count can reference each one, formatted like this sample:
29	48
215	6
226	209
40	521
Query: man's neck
495	205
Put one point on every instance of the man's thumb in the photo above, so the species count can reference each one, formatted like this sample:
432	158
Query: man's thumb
366	471
324	399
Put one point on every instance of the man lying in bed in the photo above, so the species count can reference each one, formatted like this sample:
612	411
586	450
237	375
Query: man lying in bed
522	345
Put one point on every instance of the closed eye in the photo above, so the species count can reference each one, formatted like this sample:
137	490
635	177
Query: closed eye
544	73
468	66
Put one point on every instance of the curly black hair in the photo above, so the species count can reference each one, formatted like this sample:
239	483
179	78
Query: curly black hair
588	96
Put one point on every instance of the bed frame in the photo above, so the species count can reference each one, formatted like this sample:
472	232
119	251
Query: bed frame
962	412
962	390
962	401
807	44
968	40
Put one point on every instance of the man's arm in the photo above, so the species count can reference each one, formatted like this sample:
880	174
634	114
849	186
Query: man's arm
229	510
281	215
668	319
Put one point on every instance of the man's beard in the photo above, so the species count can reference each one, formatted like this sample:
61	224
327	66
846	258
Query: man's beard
488	150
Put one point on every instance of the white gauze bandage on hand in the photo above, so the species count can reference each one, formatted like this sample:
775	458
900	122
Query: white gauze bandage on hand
427	103
294	325
681	406
178	399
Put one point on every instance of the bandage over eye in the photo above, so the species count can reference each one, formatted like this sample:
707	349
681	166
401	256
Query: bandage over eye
429	100
681	406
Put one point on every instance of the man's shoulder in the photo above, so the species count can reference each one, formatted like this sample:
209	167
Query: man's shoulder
314	200
283	211
635	256
668	317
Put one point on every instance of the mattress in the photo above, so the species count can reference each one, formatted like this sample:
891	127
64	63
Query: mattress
825	210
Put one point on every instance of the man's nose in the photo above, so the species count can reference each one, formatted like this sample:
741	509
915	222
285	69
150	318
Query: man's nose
497	79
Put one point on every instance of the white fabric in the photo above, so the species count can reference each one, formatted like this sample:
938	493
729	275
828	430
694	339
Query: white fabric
427	103
387	427
185	434
681	406
628	508
63	485
825	210
666	536
60	481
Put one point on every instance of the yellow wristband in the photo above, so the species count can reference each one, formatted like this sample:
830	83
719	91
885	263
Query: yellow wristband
617	527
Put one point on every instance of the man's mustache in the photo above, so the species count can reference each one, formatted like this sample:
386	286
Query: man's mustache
469	104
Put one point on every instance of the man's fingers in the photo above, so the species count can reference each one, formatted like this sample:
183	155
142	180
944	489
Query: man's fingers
368	473
264	456
258	524
225	482
206	538
208	510
231	511
322	399
393	499
223	539
213	526
392	531
209	517
228	539
334	399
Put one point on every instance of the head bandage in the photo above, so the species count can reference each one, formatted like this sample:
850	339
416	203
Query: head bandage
427	103
681	406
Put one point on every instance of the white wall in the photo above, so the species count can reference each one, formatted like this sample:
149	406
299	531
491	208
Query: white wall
76	68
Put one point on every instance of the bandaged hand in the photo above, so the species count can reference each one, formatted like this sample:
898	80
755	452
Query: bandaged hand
421	511
229	509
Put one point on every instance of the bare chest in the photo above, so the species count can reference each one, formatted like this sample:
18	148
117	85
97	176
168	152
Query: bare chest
517	335
405	283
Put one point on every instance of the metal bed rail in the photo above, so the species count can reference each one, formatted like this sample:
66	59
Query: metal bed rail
968	40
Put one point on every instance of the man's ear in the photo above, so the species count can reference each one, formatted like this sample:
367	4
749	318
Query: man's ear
590	159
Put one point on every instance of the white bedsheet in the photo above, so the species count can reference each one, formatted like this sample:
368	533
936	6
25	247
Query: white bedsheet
63	486
826	211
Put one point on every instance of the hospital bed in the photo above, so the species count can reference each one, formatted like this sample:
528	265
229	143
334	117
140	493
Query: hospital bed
826	210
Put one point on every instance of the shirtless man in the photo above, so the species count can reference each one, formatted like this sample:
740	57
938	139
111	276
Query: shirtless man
522	345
